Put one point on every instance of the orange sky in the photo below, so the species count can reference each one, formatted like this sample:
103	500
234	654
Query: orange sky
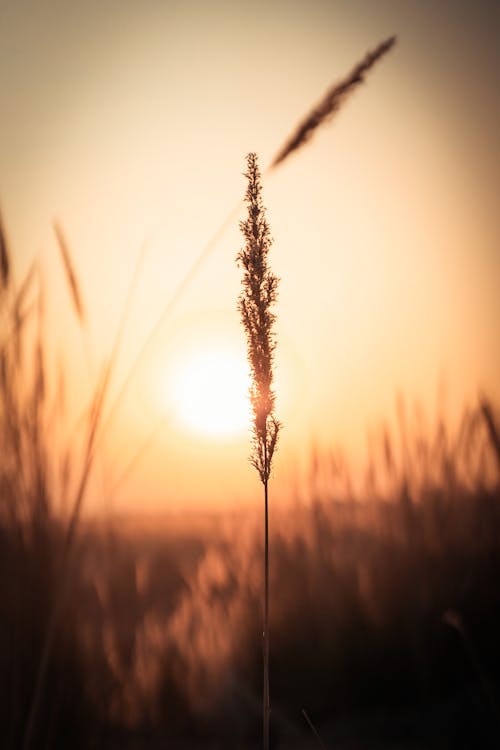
130	123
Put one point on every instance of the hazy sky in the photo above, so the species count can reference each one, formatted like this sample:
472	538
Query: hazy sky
130	122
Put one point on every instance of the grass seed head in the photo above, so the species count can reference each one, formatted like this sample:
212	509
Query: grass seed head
255	304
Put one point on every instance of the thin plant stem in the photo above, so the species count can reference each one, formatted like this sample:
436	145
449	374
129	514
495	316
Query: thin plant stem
313	729
266	694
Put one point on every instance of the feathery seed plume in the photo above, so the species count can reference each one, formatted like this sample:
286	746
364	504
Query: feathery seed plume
331	102
255	303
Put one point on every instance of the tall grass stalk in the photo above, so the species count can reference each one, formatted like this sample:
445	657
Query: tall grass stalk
255	305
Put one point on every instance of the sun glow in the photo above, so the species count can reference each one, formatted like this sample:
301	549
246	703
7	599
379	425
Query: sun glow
210	392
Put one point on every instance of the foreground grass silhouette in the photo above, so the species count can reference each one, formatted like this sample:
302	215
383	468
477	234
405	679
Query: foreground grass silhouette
256	304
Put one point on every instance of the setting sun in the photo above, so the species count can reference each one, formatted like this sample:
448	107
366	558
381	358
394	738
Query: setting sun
210	393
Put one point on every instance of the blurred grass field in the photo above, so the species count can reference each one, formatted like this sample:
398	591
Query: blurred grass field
139	632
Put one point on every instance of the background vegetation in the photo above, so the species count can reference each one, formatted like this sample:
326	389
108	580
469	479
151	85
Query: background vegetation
385	603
